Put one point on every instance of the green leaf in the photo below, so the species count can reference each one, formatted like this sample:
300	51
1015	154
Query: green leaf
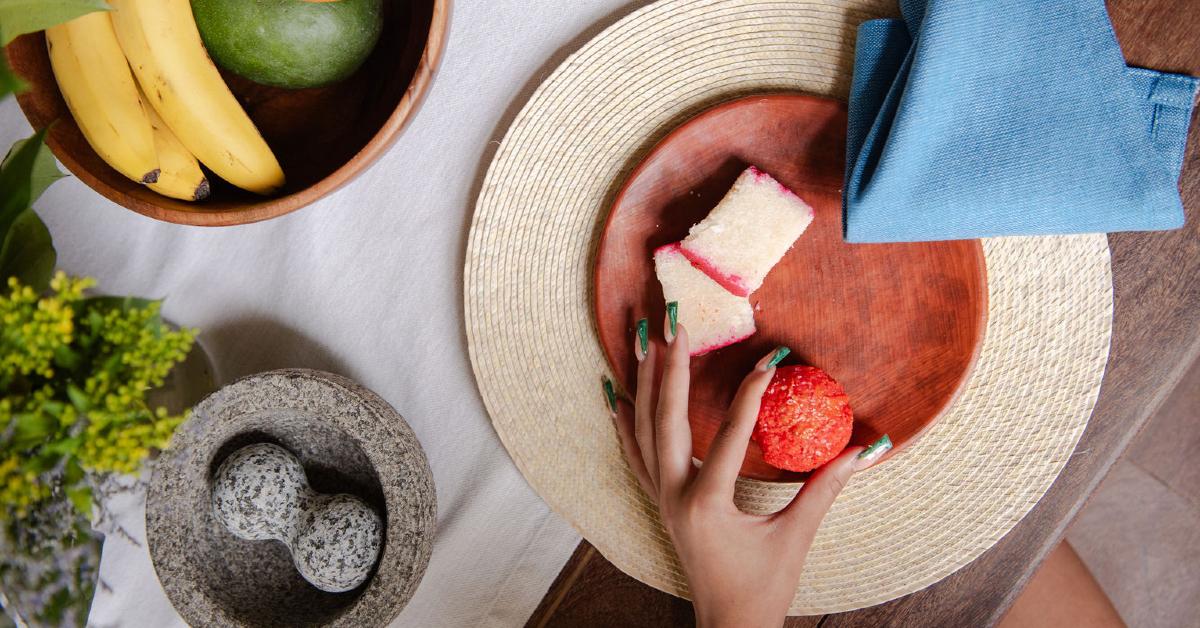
95	323
81	499
40	462
73	473
26	172
26	249
64	447
43	170
18	17
113	363
66	358
78	398
54	408
32	428
27	252
10	83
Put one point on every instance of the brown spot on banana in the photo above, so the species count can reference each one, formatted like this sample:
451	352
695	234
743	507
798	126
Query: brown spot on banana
202	190
151	177
234	161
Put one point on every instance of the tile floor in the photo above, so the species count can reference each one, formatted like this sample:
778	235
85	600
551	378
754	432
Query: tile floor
1140	533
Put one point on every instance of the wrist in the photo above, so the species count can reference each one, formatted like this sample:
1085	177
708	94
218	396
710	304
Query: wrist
732	615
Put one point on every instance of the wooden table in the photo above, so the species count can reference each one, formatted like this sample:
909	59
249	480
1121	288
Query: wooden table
1156	335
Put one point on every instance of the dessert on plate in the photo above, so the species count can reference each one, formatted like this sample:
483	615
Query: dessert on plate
726	257
804	420
714	317
748	232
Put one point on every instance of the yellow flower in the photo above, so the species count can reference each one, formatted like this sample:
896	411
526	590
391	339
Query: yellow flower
118	355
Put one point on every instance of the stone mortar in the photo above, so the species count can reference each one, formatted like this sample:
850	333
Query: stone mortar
349	440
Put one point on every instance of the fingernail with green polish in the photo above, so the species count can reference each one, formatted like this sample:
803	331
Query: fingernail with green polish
877	449
610	394
643	334
673	316
780	354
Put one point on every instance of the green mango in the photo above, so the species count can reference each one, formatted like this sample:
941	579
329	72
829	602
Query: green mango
289	43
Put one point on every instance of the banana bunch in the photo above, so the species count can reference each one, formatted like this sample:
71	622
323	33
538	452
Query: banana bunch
157	123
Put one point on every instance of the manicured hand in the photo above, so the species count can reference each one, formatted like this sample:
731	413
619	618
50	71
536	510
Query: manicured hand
742	569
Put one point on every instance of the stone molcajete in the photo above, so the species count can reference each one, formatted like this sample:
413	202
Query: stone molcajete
315	436
261	493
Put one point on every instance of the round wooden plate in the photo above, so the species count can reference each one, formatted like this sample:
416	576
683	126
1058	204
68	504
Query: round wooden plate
899	325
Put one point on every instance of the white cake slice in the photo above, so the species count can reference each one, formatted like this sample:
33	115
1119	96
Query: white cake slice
748	232
714	317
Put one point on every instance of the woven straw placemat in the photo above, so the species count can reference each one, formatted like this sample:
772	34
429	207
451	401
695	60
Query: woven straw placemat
898	527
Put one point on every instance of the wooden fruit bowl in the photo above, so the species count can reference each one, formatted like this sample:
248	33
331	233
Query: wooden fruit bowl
899	325
323	137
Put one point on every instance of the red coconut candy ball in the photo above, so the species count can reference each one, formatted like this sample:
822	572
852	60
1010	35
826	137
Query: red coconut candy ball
805	419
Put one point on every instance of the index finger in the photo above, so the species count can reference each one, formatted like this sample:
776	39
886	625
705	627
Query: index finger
806	511
672	434
728	450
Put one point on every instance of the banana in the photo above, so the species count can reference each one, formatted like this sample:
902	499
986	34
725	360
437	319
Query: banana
179	173
163	45
94	78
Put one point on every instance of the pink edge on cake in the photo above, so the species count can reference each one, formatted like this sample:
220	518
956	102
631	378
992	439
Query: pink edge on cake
720	344
713	316
732	283
748	232
764	178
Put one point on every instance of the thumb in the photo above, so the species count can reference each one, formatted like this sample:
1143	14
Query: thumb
803	515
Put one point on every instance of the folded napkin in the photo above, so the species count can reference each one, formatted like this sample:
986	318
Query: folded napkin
1008	117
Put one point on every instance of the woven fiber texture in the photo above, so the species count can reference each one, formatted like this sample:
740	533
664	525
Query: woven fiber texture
898	527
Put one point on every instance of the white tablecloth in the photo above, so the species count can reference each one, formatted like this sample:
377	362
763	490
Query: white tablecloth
366	283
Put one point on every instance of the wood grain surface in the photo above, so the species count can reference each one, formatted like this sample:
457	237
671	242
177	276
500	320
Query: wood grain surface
898	325
323	137
1156	335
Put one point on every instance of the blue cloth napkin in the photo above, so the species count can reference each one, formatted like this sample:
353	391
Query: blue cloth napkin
1008	117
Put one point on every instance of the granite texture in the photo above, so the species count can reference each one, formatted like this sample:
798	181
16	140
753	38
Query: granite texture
261	493
347	440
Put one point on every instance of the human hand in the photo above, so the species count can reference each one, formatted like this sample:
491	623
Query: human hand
742	569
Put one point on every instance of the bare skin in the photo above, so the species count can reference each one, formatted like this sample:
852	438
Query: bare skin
742	569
